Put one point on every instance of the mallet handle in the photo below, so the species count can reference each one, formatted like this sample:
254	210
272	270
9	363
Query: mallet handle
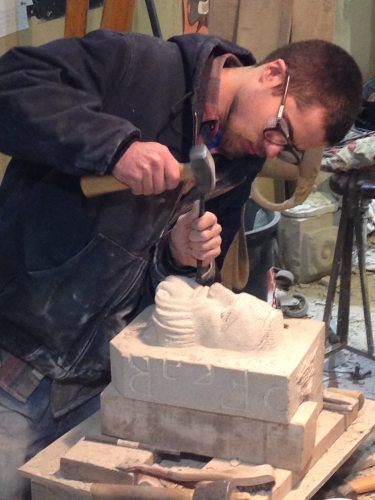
96	185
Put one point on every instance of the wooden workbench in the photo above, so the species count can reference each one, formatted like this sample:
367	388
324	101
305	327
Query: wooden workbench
48	483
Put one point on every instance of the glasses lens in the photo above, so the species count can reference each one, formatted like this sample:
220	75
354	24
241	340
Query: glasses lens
276	136
277	131
291	156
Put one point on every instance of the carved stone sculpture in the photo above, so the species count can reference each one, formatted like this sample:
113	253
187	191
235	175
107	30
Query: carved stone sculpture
208	348
188	314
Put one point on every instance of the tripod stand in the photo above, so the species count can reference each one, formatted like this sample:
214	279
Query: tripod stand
357	189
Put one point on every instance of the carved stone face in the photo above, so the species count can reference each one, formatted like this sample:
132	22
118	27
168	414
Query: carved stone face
188	314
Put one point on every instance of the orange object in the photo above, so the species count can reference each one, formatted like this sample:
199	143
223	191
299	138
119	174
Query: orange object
118	15
76	18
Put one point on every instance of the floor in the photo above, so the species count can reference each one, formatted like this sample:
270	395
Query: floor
315	294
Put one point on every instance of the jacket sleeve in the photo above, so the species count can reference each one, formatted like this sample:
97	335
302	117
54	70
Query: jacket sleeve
53	103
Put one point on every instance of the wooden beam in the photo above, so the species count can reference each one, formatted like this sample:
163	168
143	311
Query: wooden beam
118	15
76	18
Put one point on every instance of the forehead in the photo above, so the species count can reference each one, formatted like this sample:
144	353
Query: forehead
307	124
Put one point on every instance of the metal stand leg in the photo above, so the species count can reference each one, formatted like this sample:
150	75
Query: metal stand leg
336	267
361	238
346	271
352	221
345	365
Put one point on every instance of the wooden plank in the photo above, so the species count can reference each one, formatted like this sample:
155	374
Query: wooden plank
76	18
337	454
118	15
91	461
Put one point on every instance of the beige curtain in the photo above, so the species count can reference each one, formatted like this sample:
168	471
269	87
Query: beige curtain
263	25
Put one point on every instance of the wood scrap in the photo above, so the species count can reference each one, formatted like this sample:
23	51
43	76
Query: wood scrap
363	484
350	393
340	401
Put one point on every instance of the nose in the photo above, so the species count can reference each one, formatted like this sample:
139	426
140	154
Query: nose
272	150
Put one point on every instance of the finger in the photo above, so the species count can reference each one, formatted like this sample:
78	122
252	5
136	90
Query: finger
136	187
206	234
207	220
199	249
158	180
207	249
147	182
172	174
194	212
208	257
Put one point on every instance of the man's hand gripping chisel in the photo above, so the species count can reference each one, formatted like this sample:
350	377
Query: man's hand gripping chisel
201	169
202	160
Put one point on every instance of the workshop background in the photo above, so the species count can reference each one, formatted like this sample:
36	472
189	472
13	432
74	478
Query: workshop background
261	26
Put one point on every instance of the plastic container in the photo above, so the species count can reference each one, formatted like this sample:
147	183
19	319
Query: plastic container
260	233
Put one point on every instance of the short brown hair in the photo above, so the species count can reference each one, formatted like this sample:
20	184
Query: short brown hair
322	73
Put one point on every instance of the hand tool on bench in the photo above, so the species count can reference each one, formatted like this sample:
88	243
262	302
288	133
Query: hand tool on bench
201	170
239	476
216	490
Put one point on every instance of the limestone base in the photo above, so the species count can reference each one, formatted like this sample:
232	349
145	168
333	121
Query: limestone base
203	433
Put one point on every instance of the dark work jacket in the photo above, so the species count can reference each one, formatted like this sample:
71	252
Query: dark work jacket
73	270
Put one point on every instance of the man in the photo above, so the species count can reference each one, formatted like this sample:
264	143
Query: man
74	271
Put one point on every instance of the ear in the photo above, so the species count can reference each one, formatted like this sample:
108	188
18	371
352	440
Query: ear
273	73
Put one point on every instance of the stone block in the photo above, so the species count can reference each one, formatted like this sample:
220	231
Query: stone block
97	462
268	386
211	434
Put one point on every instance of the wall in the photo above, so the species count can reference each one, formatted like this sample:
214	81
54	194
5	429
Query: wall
354	31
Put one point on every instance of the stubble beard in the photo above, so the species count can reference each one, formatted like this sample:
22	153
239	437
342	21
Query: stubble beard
230	143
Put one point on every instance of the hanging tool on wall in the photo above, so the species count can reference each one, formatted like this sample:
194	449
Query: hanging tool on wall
195	16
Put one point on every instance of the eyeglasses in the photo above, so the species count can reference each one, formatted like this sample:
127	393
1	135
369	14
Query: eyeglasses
277	131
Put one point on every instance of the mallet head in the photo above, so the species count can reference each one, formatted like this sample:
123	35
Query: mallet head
203	168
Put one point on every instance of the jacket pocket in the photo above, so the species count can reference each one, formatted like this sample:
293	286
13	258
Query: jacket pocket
57	312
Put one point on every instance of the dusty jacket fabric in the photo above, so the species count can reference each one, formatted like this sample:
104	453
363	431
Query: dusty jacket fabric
74	271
